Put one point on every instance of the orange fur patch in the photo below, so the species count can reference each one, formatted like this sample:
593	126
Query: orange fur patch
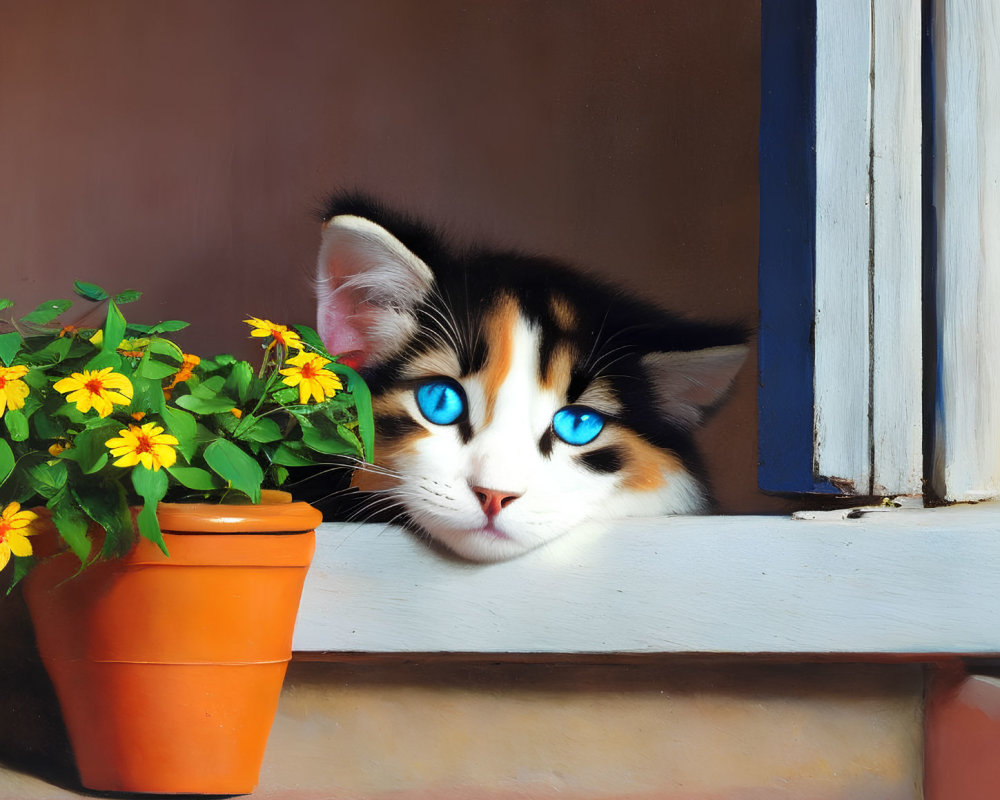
646	467
372	481
562	313
560	369
498	328
386	453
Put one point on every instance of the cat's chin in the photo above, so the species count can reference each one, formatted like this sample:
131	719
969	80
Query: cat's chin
483	545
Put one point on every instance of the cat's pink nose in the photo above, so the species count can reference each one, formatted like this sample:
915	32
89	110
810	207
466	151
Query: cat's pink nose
493	500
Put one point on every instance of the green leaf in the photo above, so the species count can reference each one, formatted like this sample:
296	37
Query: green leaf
286	397
236	467
259	429
10	343
31	405
22	566
155	370
114	328
88	448
311	338
168	326
151	485
71	523
183	426
68	410
47	311
53	352
82	347
356	385
17	424
48	477
293	454
209	388
202	405
201	480
349	436
147	396
165	347
128	296
89	291
46	427
105	358
278	474
7	460
107	505
36	379
5	303
326	437
239	381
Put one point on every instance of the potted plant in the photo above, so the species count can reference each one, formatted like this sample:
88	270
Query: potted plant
162	571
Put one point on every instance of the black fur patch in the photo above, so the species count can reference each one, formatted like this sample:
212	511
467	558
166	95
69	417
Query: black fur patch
398	426
605	460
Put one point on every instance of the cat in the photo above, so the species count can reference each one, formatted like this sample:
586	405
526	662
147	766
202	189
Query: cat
515	399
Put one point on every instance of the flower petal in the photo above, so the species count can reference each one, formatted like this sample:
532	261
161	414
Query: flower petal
167	455
128	459
11	509
69	384
19	544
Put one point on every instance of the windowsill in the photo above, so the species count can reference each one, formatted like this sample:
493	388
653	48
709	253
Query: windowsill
901	581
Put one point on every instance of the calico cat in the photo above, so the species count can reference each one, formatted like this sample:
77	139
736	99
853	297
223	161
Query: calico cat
515	400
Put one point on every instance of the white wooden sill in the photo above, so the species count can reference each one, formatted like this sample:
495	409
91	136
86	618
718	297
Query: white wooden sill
899	581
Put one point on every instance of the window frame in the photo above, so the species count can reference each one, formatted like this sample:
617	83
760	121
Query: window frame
909	582
842	265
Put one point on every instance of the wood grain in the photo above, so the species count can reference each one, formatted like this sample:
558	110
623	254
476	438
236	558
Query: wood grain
967	197
902	581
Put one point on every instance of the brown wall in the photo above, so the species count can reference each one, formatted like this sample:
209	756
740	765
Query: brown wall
180	147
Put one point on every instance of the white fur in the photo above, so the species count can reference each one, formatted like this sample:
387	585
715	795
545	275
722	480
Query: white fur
557	494
369	284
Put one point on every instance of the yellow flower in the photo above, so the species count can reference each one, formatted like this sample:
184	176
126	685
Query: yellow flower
99	389
236	413
306	372
288	339
14	530
12	389
147	445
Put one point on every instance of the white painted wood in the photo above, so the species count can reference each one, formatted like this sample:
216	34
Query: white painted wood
843	154
967	197
911	581
868	360
897	353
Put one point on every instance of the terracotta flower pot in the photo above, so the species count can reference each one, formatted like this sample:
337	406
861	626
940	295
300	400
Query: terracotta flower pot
168	670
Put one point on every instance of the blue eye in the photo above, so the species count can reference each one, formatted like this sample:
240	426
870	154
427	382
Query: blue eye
577	424
442	401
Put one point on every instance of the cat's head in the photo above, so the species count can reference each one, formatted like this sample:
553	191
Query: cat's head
515	400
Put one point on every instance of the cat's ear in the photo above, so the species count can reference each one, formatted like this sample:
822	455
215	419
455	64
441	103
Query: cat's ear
686	384
368	285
